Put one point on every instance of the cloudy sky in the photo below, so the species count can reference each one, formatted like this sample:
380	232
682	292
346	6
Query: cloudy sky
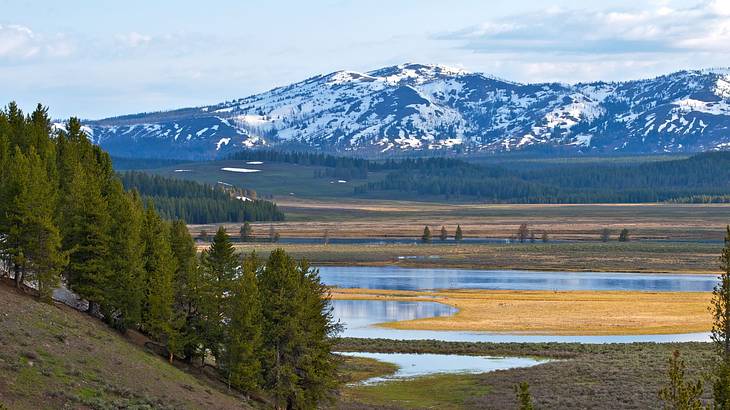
97	58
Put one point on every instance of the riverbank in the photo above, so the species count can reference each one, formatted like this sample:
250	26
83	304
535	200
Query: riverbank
549	312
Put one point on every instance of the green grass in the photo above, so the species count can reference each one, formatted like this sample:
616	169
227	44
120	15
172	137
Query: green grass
55	357
278	179
447	391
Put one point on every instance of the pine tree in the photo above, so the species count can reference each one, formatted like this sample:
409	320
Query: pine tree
624	235
219	264
680	394
545	238
158	317
522	233
240	362
458	236
524	398
605	235
85	228
299	370
124	289
187	289
246	232
33	241
426	237
444	235
720	309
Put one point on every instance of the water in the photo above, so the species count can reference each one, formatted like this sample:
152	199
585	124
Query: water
396	278
360	316
412	365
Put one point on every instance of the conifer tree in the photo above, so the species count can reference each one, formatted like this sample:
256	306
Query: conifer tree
605	235
720	309
240	361
443	235
459	235
624	235
219	264
85	227
524	398
187	288
298	370
246	232
124	289
158	317
680	394
426	237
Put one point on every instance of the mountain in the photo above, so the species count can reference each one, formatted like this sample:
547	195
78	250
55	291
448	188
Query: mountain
433	108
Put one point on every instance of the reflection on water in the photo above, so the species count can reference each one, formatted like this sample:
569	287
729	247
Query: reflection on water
412	365
387	277
359	316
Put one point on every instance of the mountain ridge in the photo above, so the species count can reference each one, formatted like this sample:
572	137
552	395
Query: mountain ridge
434	108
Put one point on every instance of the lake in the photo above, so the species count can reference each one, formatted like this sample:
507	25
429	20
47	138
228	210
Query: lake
396	278
412	365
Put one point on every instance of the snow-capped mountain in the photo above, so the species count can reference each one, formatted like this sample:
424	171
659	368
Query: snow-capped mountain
434	108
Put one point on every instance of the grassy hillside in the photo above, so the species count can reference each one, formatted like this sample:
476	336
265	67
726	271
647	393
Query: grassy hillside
55	357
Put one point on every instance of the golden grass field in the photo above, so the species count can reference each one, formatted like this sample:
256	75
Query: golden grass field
548	312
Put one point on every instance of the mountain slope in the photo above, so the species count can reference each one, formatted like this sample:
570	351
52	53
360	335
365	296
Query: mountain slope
55	357
415	107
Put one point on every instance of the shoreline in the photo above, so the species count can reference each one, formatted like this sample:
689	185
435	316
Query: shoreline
576	313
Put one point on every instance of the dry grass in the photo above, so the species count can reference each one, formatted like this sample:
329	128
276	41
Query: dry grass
547	312
377	218
650	257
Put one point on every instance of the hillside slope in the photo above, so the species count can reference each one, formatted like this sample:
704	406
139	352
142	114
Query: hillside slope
432	108
55	357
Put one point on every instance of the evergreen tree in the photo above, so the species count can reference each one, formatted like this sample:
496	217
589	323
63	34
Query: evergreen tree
605	235
459	235
246	232
33	241
124	291
85	228
444	235
524	398
522	233
299	370
624	235
426	237
720	309
545	238
187	289
158	317
680	394
219	264
240	361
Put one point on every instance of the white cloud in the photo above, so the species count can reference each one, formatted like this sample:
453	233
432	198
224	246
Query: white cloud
133	39
657	29
19	43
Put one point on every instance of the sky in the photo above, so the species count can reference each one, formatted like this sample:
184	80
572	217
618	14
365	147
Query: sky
95	59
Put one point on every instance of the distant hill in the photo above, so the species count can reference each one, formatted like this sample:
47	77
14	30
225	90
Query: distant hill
54	357
417	108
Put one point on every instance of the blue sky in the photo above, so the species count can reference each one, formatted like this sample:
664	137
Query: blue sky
101	58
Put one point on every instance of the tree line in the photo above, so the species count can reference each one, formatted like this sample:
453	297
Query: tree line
65	216
200	203
684	180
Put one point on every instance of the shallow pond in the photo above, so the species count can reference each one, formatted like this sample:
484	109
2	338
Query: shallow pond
396	278
412	365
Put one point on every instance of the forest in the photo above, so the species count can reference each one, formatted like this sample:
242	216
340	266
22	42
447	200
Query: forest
703	176
265	325
200	203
